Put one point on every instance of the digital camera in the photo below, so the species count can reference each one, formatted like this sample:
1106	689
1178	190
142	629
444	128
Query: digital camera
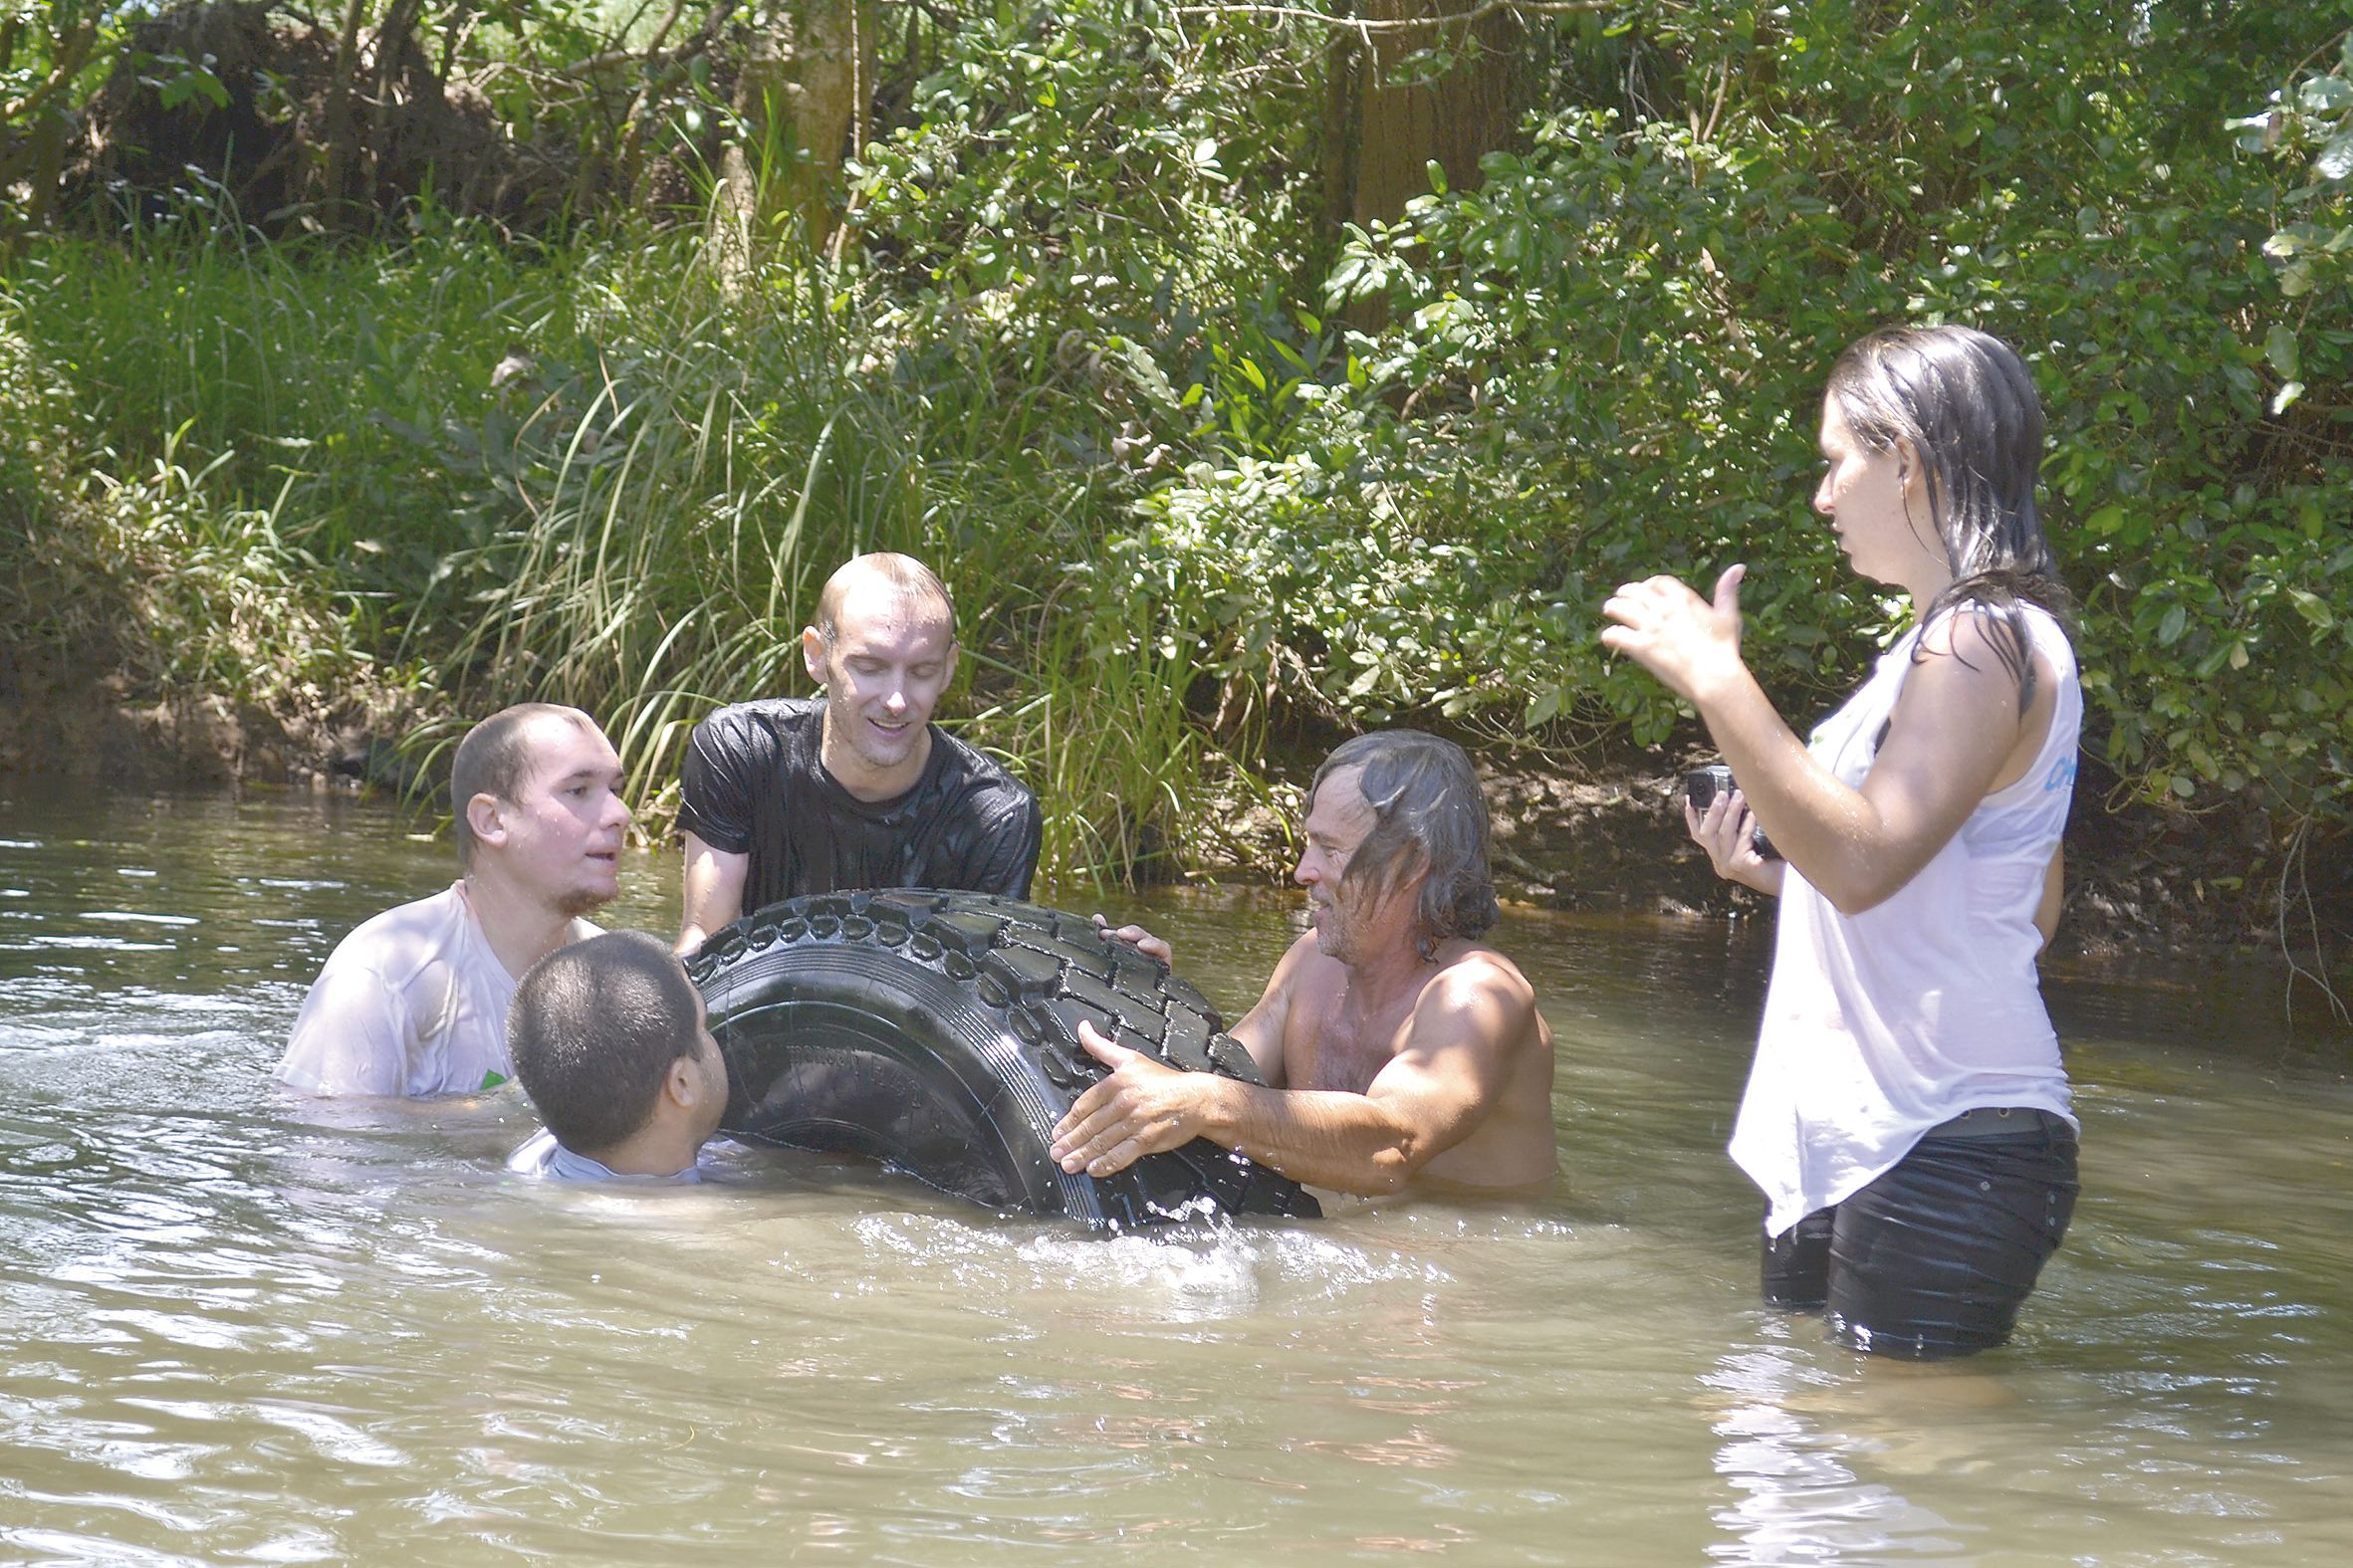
1703	784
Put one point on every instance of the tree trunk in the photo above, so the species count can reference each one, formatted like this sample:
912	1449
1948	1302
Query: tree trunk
1470	107
1344	113
801	96
397	90
36	153
342	126
49	168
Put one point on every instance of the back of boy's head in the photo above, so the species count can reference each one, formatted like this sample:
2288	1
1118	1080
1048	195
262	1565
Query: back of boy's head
594	1030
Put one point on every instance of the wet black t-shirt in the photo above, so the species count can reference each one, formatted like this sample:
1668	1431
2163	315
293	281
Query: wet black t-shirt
754	784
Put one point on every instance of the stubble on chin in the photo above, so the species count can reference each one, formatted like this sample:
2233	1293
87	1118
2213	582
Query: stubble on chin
883	753
579	901
1331	936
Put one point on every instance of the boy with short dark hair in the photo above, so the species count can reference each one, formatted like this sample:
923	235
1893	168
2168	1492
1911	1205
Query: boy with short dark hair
612	1043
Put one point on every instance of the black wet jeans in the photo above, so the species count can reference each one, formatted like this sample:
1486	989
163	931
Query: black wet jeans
1934	1258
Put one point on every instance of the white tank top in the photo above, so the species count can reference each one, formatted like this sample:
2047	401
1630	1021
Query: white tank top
1879	1025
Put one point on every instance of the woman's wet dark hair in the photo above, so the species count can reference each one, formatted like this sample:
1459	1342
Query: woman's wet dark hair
1429	814
1964	403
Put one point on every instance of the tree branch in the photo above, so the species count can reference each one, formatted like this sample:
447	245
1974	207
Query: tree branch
622	57
70	55
1408	24
652	53
636	120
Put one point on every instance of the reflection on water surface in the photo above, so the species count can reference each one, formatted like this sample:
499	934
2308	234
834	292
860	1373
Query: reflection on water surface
240	1326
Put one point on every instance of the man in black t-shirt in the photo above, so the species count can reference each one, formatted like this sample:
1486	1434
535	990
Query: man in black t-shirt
857	788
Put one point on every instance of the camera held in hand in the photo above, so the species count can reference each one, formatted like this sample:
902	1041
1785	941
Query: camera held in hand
1703	784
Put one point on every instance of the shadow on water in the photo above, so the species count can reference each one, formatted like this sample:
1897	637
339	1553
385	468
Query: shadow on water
241	1325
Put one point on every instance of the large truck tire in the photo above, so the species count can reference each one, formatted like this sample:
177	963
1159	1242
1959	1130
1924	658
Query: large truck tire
937	1033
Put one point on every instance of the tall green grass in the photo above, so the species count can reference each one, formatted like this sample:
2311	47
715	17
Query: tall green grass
605	476
351	383
144	552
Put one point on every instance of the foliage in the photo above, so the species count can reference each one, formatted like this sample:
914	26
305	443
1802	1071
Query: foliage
161	566
1637	318
219	593
1083	165
1300	586
1639	251
323	370
2311	118
46	50
1198	487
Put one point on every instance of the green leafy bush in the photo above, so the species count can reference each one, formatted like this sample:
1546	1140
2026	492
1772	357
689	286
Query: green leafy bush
1197	492
1635	321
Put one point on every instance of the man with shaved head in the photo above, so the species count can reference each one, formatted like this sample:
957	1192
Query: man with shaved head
414	1002
857	789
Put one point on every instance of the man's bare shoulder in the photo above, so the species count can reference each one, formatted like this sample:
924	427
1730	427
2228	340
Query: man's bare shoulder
1480	999
1479	1013
1466	965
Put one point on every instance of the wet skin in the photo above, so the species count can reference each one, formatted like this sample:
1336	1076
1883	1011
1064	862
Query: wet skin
884	669
1382	1065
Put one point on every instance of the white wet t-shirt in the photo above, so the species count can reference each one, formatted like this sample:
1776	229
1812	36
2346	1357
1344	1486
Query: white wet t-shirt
1879	1025
414	1002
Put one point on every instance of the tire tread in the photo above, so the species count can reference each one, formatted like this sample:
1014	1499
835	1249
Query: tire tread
1036	974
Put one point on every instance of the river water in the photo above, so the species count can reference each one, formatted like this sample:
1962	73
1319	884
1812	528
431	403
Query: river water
240	1328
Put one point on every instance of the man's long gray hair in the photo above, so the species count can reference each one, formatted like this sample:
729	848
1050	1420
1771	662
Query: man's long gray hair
1964	403
1428	817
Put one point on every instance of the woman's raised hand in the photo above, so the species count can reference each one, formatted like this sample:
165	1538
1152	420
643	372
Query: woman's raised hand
1690	643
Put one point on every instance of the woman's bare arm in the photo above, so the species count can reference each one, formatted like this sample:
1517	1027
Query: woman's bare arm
1956	728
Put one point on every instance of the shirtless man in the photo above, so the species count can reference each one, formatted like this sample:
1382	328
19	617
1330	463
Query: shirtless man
1396	1047
858	789
414	1002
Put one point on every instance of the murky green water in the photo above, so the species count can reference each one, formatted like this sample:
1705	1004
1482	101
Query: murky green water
240	1328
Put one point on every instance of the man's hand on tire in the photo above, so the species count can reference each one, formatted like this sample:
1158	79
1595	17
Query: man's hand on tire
1141	1108
1137	936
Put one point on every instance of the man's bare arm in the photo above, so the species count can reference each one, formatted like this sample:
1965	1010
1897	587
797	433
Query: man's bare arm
1434	1093
714	891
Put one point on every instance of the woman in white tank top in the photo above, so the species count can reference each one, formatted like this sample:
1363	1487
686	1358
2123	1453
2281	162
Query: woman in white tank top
1907	1117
